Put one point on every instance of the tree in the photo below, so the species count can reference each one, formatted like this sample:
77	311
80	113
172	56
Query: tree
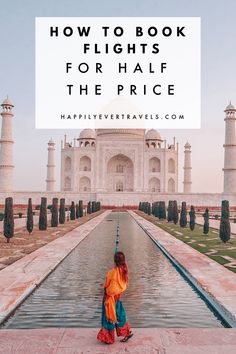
81	211
149	209
8	224
77	210
89	208
154	205
72	211
170	211
43	214
54	211
162	210
192	218
30	217
62	214
93	206
157	209
144	207
183	215
206	222
175	212
224	222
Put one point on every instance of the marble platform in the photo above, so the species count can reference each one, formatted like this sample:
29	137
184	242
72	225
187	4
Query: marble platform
144	341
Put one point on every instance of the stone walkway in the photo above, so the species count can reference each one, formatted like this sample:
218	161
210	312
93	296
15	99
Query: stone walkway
19	279
144	341
217	281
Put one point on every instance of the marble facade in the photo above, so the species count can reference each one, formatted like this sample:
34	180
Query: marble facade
119	160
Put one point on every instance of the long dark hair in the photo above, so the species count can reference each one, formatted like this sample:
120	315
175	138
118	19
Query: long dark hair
119	259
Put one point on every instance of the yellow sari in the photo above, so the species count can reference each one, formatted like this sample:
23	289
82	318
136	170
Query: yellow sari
114	286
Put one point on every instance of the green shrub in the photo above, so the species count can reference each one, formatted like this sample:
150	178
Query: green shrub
54	211
183	215
81	211
89	208
62	215
175	212
206	222
72	211
162	210
224	222
43	214
170	210
8	224
93	206
149	209
192	218
30	218
77	210
156	211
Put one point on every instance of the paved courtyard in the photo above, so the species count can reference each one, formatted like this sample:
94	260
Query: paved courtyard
144	341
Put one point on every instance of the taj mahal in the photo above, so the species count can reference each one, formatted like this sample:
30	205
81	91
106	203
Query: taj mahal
118	166
120	160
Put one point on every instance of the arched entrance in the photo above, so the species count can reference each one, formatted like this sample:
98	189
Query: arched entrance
154	185
120	174
84	184
171	185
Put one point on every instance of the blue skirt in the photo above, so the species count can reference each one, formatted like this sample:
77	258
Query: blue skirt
122	327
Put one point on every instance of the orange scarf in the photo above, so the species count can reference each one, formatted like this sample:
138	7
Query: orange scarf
115	286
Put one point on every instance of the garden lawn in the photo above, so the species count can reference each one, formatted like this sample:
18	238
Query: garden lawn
22	243
209	244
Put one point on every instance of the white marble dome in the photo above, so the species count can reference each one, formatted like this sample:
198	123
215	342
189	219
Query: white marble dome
124	132
87	134
153	134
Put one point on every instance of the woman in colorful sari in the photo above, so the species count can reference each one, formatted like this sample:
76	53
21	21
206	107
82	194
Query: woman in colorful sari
113	312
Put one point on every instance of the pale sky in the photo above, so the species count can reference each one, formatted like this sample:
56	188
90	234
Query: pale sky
218	81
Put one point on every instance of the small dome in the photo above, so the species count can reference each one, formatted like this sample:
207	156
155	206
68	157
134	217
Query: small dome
51	141
87	134
230	107
7	102
153	134
187	145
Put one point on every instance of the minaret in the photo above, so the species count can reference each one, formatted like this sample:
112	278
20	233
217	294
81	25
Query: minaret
51	181
230	150
187	168
6	151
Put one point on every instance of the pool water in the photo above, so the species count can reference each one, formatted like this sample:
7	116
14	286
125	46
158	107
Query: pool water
157	296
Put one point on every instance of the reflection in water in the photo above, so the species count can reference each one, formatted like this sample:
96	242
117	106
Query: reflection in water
157	295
